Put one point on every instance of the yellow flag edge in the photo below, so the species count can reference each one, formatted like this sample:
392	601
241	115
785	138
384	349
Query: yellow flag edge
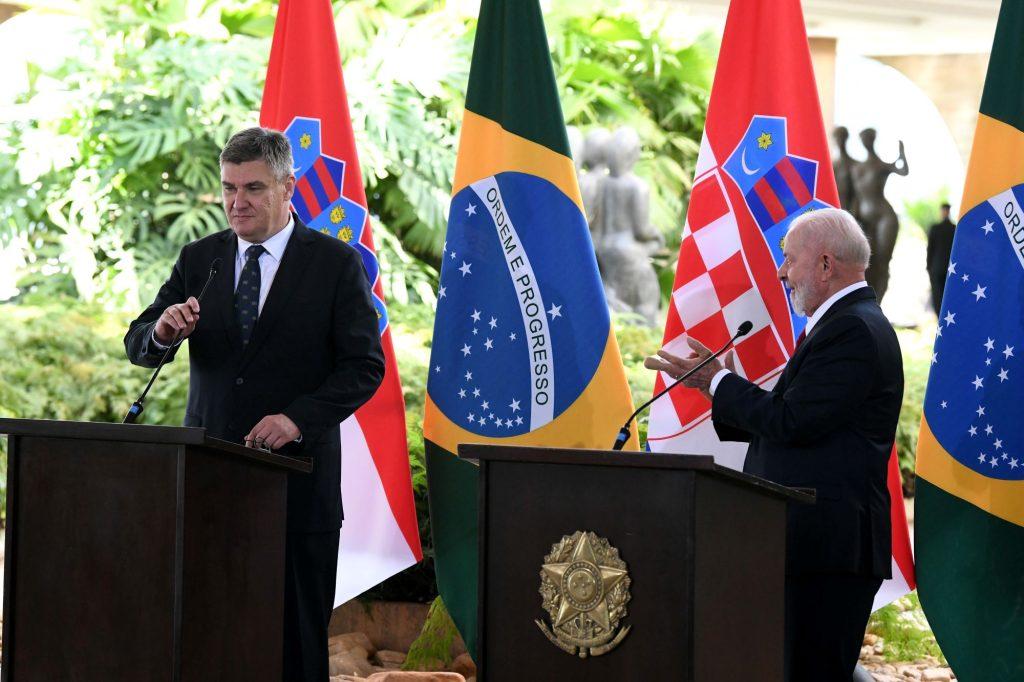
997	162
486	149
1004	499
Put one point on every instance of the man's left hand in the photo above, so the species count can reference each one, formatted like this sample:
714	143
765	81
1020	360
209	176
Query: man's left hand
676	366
273	431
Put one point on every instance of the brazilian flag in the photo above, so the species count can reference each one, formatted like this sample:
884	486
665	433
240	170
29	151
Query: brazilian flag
970	457
523	350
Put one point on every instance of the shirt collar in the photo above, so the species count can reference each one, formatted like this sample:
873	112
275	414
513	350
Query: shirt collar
829	302
275	245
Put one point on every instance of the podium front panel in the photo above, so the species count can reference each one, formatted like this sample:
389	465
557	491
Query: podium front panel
94	526
645	513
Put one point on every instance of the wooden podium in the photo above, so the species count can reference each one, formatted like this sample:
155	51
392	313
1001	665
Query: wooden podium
143	553
704	547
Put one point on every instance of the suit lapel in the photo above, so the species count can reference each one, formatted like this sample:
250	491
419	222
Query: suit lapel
864	293
288	276
224	287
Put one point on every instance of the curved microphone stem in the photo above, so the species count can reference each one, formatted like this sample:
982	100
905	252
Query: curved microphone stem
624	432
138	406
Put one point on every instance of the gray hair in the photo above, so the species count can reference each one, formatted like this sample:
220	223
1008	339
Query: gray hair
270	146
837	231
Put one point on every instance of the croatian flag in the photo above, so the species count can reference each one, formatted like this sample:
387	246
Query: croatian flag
305	97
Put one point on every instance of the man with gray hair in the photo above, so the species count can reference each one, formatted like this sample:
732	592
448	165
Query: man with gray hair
285	347
828	424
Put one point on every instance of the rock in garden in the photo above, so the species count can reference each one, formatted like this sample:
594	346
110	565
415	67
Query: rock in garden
403	676
935	675
464	665
390	659
344	642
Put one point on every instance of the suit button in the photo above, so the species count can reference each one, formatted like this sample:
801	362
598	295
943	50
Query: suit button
239	381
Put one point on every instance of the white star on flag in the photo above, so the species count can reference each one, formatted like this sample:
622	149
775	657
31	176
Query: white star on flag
471	209
469	376
466	350
465	269
514	406
951	269
973	430
987	226
475	315
978	382
488	344
1003	374
493	323
512	336
965	277
1008	352
981	410
556	311
979	293
990	344
440	292
462	393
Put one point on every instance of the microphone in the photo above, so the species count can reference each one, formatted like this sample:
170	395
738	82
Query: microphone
624	432
137	407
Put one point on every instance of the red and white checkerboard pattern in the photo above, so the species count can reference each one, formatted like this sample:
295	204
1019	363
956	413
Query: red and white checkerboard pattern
714	292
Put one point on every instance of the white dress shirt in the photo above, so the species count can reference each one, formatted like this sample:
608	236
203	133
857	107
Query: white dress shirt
269	262
811	321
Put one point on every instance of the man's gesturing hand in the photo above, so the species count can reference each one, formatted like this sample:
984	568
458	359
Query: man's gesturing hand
273	431
179	317
676	366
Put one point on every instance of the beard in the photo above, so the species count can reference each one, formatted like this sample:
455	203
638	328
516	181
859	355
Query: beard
798	298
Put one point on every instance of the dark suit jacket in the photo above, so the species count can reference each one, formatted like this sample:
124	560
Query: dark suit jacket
828	424
315	356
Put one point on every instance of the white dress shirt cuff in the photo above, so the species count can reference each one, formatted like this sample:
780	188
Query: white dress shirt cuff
717	379
157	344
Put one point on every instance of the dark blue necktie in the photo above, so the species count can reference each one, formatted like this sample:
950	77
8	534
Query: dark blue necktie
247	294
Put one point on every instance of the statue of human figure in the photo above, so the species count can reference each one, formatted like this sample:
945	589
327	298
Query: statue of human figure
624	238
842	167
594	171
875	214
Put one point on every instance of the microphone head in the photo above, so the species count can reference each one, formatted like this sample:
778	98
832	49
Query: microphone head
745	328
215	266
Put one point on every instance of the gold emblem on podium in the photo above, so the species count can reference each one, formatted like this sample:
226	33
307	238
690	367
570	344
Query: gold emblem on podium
584	586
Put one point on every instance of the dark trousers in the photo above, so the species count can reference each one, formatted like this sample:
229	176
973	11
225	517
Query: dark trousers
311	562
825	619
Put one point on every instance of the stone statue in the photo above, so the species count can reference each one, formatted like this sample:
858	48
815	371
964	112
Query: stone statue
842	167
594	171
624	238
875	214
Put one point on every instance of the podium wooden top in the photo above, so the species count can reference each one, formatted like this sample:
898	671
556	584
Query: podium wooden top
646	460
145	433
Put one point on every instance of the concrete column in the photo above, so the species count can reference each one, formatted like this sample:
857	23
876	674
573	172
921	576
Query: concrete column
823	58
954	83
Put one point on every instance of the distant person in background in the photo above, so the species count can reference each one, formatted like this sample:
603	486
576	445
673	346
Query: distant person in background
940	244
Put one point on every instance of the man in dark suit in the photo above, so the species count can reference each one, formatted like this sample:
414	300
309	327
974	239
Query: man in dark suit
940	245
828	424
285	347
